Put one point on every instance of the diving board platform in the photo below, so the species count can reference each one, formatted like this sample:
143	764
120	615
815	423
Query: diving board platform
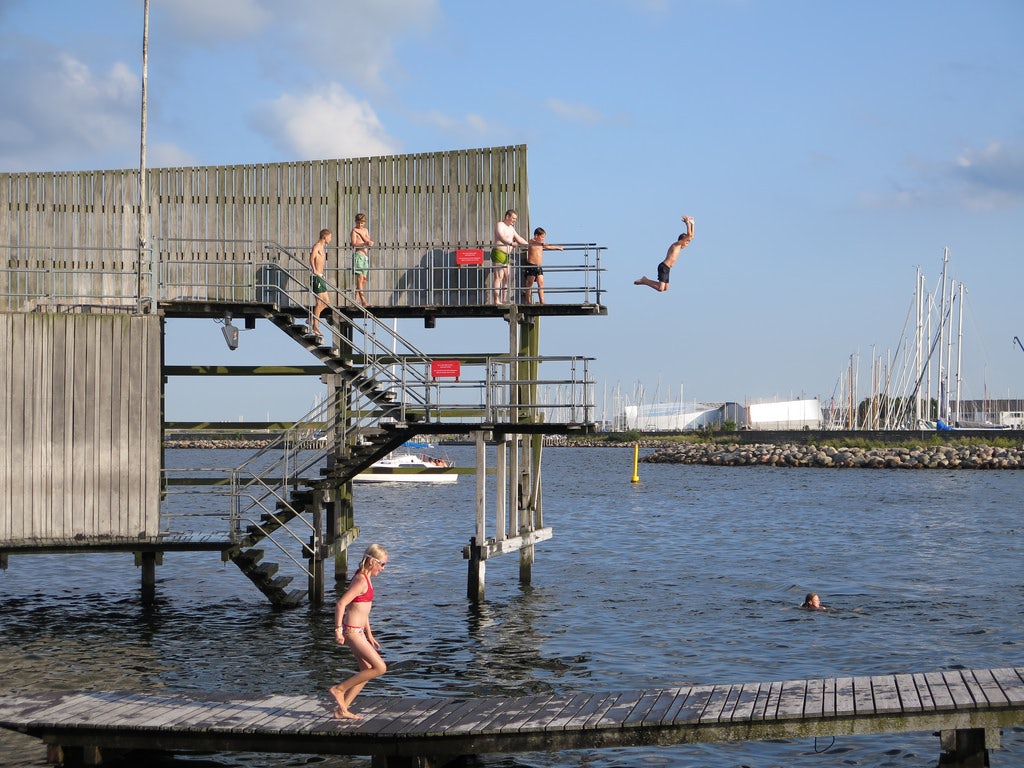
967	707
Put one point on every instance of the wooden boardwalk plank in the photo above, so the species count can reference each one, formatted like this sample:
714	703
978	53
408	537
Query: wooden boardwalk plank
814	698
958	691
844	697
471	720
669	701
407	727
644	704
399	718
942	699
910	699
681	705
716	702
743	706
828	703
990	687
1010	683
863	701
290	712
885	694
923	692
561	719
530	713
973	687
791	700
592	711
435	723
690	710
771	701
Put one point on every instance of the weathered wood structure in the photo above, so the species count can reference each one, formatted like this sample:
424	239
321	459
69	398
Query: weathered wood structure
966	708
92	267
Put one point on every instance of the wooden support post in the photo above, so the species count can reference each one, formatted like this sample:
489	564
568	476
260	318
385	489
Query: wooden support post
527	485
515	508
314	553
74	756
340	528
500	480
342	512
422	761
964	748
477	563
148	562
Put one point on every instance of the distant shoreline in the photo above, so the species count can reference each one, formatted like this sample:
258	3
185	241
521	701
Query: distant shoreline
904	456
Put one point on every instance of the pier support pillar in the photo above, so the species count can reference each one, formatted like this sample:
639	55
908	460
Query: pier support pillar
315	553
148	561
967	747
477	571
74	756
476	552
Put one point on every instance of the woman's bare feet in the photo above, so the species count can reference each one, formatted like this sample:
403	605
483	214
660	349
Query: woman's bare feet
342	713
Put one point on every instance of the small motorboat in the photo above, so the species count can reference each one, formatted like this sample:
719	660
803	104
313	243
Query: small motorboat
409	467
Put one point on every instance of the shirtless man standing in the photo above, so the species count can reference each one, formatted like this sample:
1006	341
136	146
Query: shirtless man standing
533	271
317	263
661	284
505	240
359	238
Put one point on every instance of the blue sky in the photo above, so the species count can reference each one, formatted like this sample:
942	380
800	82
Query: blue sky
825	150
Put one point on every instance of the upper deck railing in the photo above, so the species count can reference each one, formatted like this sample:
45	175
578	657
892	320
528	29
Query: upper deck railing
179	271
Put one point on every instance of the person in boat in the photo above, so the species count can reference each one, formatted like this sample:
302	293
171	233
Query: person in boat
813	603
661	284
352	628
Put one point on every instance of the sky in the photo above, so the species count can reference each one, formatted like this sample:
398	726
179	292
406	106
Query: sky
826	151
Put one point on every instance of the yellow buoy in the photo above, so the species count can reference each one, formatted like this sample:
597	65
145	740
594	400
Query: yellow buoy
636	462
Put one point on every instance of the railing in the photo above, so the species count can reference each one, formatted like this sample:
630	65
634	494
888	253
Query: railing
246	271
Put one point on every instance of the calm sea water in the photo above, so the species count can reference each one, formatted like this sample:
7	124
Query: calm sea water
693	575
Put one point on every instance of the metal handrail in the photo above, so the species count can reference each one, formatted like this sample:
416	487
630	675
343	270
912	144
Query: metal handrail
222	270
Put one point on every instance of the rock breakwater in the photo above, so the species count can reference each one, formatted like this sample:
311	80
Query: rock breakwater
791	455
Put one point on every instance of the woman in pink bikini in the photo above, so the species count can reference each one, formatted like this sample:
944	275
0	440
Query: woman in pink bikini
352	627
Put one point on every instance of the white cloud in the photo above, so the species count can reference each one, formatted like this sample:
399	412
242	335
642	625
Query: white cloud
336	39
579	113
993	175
988	178
468	125
215	22
57	110
325	124
167	155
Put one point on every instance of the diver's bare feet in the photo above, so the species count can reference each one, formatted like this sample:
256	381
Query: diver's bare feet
343	714
641	281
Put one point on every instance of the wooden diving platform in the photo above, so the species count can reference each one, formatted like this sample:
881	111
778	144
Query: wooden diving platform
967	707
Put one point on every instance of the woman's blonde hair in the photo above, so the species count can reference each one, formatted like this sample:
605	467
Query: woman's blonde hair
373	552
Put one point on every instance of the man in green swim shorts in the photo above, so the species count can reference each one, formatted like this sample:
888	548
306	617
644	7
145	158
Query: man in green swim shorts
505	240
359	238
318	263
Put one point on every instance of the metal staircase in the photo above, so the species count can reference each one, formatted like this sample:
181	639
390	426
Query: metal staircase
371	415
382	391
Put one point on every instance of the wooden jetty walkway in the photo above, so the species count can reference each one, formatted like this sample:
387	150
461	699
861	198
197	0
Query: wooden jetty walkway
967	707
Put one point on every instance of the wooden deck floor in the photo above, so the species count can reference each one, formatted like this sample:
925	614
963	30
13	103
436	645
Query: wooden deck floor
426	731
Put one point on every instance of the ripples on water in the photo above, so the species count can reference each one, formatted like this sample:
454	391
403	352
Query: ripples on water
691	576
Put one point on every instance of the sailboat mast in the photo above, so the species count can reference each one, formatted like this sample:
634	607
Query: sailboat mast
959	349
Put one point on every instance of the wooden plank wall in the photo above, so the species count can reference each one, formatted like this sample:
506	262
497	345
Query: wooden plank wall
89	220
80	424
